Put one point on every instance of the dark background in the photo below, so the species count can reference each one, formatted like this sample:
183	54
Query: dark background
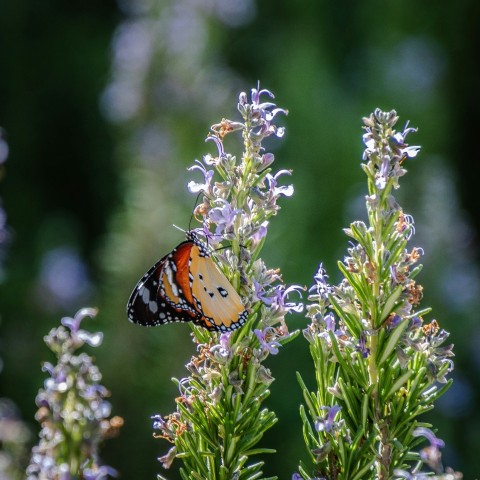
104	105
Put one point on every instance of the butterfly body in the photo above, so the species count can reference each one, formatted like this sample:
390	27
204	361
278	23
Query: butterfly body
187	286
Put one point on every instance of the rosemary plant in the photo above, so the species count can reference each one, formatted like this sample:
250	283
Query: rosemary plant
72	408
379	366
219	419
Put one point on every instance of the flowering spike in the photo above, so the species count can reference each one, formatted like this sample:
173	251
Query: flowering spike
376	366
73	410
221	399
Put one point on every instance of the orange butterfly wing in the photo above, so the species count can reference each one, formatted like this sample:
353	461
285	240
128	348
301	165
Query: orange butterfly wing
187	286
215	297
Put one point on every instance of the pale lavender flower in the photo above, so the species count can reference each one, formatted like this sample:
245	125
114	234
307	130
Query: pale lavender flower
327	422
260	293
330	326
222	350
219	144
167	459
158	423
223	217
82	336
164	426
412	476
99	473
265	113
281	295
321	288
329	320
272	182
267	160
267	337
362	345
382	175
196	187
259	233
414	323
431	454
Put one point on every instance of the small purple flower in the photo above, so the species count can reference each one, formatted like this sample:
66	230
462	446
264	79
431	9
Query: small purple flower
259	233
222	350
242	99
267	160
196	187
329	324
218	142
73	324
275	191
411	476
99	473
327	422
255	96
362	345
282	293
411	151
167	459
48	367
262	113
382	176
329	320
267	340
205	232
321	287
431	454
394	321
430	436
80	336
259	293
158	422
223	216
93	339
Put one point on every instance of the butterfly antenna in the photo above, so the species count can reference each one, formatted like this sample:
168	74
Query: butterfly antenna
179	228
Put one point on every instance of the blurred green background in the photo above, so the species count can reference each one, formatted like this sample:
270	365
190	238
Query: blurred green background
105	104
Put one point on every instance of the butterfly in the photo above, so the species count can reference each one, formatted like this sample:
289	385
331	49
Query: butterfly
187	286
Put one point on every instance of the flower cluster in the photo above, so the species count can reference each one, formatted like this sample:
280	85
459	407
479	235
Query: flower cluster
431	456
73	410
378	366
14	438
237	210
238	207
219	410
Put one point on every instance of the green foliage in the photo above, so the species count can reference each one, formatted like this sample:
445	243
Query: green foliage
378	367
220	417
